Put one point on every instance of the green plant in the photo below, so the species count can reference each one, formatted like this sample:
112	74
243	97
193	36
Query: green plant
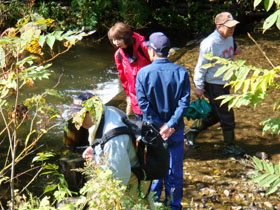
23	63
266	175
101	191
249	85
273	18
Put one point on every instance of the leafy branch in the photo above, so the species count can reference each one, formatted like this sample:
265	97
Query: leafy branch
267	175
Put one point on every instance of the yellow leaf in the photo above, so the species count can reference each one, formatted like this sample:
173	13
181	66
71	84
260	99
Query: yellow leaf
44	130
216	171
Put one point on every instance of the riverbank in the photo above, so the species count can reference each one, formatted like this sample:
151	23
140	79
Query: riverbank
212	180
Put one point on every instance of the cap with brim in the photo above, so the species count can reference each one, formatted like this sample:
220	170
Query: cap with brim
78	101
231	23
159	43
225	18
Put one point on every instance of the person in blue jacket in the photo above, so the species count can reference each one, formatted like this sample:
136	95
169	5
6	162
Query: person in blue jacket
163	94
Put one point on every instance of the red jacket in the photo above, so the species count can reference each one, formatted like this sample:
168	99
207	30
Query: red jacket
128	70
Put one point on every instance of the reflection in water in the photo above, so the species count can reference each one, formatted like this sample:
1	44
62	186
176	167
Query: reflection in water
89	69
84	68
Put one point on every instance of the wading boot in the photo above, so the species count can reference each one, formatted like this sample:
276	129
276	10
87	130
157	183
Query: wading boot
230	147
191	134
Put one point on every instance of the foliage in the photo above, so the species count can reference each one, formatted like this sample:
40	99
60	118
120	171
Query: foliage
249	84
273	18
12	12
23	62
101	191
100	15
97	14
267	175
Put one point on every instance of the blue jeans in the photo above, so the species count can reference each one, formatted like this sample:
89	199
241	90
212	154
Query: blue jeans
173	182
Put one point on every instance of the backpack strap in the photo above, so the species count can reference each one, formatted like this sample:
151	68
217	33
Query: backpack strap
119	56
110	134
142	53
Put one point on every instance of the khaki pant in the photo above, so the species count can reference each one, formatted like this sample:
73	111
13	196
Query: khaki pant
144	186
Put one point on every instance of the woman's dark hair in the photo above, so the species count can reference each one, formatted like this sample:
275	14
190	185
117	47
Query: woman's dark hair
121	31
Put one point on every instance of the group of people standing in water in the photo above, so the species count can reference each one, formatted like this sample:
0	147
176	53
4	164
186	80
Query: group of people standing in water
158	92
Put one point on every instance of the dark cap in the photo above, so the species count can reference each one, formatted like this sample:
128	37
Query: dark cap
78	101
159	43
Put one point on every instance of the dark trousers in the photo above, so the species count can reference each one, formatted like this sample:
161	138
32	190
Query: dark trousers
218	113
173	182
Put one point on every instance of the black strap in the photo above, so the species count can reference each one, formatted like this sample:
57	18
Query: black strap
110	134
142	53
99	132
120	56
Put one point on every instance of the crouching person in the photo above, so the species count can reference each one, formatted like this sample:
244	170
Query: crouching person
119	152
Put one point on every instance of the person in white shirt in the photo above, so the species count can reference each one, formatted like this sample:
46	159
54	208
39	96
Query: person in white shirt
221	44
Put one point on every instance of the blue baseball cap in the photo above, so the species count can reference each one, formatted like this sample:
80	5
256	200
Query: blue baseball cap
159	43
78	101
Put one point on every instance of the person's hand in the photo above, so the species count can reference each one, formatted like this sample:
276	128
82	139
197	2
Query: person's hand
199	92
87	154
166	132
238	51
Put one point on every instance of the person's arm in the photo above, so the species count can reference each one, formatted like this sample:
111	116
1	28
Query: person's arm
183	103
120	69
199	73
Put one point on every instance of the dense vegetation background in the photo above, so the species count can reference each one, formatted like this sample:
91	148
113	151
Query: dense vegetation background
185	19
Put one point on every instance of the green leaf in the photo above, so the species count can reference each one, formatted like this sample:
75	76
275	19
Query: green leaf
246	86
268	166
3	102
243	73
53	92
278	22
256	3
273	187
50	40
42	156
277	169
57	35
42	40
228	74
260	177
71	39
268	4
258	163
221	70
268	180
225	99
207	66
270	21
50	188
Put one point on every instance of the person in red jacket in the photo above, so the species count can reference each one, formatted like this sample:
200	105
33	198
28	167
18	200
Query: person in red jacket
131	55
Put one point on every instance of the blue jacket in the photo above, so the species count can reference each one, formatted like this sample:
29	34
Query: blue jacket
163	93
